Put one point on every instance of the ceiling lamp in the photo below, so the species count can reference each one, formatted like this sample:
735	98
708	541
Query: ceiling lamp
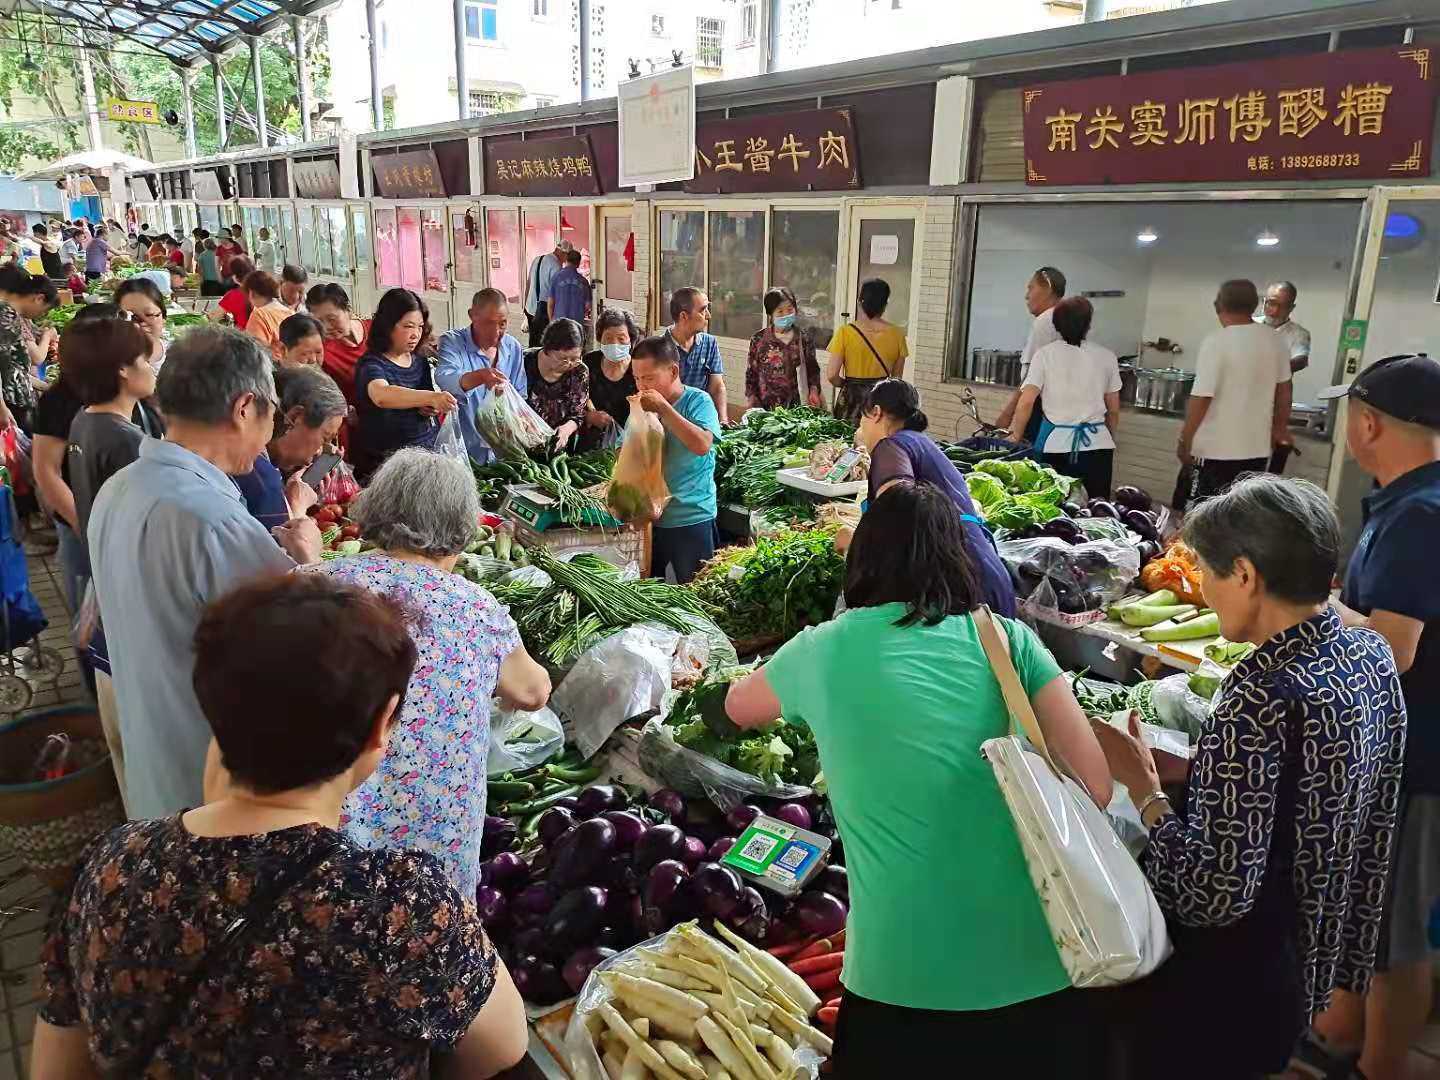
1266	239
1146	235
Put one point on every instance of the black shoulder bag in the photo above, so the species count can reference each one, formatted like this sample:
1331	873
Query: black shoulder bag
264	898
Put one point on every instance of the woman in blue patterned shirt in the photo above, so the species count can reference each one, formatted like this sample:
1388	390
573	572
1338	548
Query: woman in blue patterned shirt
1272	875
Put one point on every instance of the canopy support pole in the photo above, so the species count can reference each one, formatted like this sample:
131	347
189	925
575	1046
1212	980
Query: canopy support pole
302	77
262	130
220	125
584	13
191	146
377	107
462	73
92	107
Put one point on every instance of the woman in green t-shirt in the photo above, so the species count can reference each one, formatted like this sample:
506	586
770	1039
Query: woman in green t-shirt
949	961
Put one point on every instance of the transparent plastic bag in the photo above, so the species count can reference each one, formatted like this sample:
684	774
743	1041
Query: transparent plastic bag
617	679
340	485
695	774
87	616
585	1023
1070	578
450	442
1178	707
637	492
509	425
522	740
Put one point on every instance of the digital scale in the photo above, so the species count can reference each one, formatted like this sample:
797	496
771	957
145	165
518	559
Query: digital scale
527	503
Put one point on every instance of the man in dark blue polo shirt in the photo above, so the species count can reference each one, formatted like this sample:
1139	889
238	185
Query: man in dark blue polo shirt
1393	432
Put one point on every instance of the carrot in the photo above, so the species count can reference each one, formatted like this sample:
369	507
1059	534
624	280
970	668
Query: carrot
783	952
815	964
828	1014
821	947
825	980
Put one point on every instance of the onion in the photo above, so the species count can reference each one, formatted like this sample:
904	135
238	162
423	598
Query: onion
793	813
740	818
670	803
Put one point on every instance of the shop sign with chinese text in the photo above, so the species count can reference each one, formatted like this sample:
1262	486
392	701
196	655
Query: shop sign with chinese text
410	174
317	179
1364	113
564	165
802	151
132	112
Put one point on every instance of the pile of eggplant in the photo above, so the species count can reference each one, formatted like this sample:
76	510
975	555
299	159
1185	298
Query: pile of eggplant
609	870
1131	506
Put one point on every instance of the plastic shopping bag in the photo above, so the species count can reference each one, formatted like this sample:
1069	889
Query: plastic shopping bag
509	425
449	442
637	491
340	486
17	460
522	740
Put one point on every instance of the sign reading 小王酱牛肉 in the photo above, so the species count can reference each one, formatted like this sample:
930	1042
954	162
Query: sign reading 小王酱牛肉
1359	113
802	151
563	165
410	174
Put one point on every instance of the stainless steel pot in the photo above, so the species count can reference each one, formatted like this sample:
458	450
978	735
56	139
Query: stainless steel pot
1173	389
1128	384
1147	383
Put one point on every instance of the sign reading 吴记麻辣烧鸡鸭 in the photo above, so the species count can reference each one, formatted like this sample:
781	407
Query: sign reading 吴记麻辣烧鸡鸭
1357	113
132	112
410	174
563	165
801	151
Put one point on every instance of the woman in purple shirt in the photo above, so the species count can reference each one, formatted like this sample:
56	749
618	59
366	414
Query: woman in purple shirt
891	428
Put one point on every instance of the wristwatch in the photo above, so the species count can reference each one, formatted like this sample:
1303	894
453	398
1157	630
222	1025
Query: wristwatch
1150	800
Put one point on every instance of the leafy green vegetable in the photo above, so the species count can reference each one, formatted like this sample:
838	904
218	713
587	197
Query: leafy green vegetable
784	582
781	753
1015	495
768	440
1204	684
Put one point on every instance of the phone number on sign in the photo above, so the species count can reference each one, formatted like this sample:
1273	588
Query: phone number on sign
1318	161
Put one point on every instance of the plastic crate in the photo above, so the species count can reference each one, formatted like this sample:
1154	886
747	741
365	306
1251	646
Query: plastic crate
1014	449
628	543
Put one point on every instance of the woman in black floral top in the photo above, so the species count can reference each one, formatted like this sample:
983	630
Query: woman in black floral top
359	963
557	381
23	297
778	355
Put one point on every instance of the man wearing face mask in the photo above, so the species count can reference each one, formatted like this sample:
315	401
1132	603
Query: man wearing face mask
612	382
475	359
1279	305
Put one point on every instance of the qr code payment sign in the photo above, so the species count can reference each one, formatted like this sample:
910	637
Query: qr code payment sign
794	858
759	848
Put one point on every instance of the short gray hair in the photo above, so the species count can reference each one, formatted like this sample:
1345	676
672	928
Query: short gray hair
421	502
312	390
208	369
1285	527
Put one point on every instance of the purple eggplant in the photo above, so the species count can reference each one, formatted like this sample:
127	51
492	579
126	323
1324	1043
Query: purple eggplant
569	802
834	881
555	823
599	798
670	803
720	848
583	961
1141	523
751	918
528	942
819	914
695	851
739	819
628	828
662	893
490	905
793	813
506	870
657	843
498	834
536	899
716	889
581	852
1063	528
539	982
1132	498
574	919
1104	508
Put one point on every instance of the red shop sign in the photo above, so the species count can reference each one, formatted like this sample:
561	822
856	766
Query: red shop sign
1362	113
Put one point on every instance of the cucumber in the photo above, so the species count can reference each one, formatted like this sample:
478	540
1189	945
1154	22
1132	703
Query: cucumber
1159	598
508	790
536	805
1146	615
1204	626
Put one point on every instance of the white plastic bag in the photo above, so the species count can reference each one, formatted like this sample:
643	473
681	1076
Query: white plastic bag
1107	926
616	679
522	740
450	442
508	424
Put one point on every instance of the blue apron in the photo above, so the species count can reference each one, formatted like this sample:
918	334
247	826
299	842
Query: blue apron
1079	441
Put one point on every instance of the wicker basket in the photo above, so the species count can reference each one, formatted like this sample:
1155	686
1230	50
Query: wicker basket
48	823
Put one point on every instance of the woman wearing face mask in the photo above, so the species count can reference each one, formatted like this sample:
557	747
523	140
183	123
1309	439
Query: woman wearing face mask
612	383
782	368
559	382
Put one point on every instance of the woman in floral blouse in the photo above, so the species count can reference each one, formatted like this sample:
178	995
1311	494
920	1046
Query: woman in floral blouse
559	382
24	297
778	354
350	963
1272	875
429	792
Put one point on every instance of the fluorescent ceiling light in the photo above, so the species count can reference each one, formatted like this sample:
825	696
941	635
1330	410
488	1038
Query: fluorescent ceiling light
1146	235
1266	239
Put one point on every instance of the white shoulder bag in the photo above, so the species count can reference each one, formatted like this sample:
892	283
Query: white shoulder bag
1107	926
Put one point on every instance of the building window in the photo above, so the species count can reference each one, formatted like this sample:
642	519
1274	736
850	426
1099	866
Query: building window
482	20
804	252
543	101
709	36
657	25
486	102
749	22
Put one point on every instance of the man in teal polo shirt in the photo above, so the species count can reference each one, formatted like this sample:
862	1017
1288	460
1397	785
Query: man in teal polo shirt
684	537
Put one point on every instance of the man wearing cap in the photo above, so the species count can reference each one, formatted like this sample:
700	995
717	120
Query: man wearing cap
1392	428
543	268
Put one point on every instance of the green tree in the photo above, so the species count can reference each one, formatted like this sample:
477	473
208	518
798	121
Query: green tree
18	146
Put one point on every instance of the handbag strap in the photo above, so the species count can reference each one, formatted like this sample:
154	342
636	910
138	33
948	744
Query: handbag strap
267	893
1022	715
873	351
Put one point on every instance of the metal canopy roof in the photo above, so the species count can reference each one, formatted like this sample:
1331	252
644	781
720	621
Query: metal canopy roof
180	30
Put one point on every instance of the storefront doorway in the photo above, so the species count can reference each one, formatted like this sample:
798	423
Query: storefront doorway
884	243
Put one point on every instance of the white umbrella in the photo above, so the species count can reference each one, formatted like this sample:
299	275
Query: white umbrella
88	161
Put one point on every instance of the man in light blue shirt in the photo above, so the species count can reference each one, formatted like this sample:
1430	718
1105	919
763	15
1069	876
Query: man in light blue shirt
477	358
684	537
697	349
543	268
168	534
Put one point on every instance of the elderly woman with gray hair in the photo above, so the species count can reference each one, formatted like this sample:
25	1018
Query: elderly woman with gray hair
1273	873
420	511
309	416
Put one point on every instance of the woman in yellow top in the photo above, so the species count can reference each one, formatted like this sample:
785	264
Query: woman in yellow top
864	351
267	311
